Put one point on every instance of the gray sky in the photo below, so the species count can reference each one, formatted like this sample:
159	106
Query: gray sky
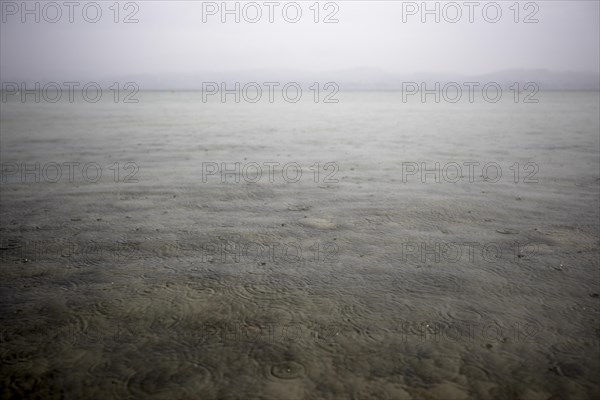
171	38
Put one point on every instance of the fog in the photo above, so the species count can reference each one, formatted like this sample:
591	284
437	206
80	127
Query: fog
171	39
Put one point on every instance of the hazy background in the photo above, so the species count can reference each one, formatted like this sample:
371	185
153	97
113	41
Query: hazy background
107	289
370	46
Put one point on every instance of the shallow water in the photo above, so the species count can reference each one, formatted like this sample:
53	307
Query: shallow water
358	282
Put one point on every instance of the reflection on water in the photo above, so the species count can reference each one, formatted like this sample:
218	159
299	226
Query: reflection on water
370	284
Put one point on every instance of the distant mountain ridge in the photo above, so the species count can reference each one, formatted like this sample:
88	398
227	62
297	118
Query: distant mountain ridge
350	79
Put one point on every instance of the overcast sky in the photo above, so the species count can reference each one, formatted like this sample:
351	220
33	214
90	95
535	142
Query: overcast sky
171	38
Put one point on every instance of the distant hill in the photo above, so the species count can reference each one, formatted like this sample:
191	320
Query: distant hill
352	79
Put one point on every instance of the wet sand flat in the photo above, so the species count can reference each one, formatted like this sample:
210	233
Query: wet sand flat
170	277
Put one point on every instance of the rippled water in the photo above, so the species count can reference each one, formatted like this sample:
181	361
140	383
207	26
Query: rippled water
163	282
